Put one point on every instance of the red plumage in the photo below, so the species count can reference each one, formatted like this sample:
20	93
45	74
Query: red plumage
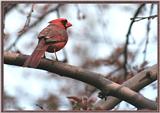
51	39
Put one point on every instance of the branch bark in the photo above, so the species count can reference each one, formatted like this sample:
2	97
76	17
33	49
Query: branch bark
136	83
86	76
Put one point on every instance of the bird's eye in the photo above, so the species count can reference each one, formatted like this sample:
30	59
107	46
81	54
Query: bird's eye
64	22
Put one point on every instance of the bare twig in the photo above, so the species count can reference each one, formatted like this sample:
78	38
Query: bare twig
147	35
92	78
41	107
24	29
33	25
27	21
142	18
8	7
58	13
127	40
80	14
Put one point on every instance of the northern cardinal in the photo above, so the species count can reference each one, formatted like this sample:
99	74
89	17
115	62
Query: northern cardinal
51	39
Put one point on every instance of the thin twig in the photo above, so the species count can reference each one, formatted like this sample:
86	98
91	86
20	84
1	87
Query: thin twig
7	7
148	30
33	25
41	107
58	13
142	18
24	29
27	21
127	40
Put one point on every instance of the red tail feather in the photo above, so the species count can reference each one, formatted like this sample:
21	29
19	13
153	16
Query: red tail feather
34	59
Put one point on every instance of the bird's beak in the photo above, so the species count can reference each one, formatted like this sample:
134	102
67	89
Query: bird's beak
68	24
50	21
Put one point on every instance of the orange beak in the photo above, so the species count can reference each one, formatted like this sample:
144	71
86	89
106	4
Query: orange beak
68	24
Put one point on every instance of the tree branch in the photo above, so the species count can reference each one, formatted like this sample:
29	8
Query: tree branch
39	19
95	79
147	34
145	17
8	7
127	39
136	83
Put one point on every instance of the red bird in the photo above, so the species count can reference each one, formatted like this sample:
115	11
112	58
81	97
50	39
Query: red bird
51	39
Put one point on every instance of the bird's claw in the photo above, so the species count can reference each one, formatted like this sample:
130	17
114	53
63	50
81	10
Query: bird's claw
103	95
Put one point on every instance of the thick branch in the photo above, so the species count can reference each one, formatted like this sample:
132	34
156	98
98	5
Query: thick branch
91	78
136	83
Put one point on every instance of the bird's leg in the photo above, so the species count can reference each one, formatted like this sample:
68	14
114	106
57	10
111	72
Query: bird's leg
44	56
55	54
